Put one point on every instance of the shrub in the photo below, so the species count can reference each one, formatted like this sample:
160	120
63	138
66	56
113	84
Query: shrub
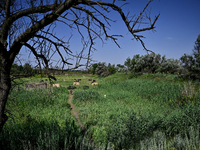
151	63
130	63
148	63
102	69
94	66
171	66
112	70
123	70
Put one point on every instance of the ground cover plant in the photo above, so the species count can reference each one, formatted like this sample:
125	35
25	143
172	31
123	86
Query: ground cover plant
41	118
149	111
134	109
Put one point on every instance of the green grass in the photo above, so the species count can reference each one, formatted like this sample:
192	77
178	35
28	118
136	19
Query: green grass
41	120
150	99
136	111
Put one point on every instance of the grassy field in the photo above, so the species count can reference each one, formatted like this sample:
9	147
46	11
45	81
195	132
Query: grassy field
157	111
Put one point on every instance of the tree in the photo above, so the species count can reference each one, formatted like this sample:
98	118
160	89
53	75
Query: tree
28	69
31	24
111	69
120	66
102	69
192	62
130	63
94	66
197	46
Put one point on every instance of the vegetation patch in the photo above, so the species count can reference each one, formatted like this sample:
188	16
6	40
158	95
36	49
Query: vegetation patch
89	95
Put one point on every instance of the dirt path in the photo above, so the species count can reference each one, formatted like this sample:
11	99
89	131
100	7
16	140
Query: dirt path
75	113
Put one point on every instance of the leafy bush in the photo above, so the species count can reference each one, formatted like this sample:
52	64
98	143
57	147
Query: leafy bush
171	66
192	62
94	66
102	69
148	63
151	63
122	69
112	70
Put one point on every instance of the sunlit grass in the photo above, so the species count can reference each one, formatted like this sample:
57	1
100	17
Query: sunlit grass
148	96
141	95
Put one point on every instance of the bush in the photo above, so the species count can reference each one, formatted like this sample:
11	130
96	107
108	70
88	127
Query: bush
94	66
123	70
152	63
171	66
112	70
148	63
102	69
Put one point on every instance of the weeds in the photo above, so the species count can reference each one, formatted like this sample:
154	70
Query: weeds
143	97
139	113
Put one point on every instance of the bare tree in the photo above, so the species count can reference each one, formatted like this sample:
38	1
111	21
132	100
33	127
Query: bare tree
31	23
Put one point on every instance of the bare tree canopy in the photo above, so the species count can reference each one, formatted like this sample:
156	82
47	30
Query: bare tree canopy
31	23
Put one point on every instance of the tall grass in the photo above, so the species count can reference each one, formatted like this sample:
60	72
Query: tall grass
134	109
41	120
138	112
189	141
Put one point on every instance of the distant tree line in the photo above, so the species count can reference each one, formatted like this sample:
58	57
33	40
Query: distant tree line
104	70
23	70
27	70
188	66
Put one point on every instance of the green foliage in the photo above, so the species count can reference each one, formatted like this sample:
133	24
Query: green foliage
151	63
40	135
112	70
122	70
135	129
190	140
130	63
41	119
120	66
134	75
25	70
89	95
153	97
171	66
148	63
197	45
94	66
102	70
152	90
192	62
128	132
16	69
127	118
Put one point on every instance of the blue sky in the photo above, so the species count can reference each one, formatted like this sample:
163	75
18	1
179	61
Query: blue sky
176	31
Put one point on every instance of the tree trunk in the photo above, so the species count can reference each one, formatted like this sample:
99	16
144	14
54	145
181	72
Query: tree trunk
5	85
